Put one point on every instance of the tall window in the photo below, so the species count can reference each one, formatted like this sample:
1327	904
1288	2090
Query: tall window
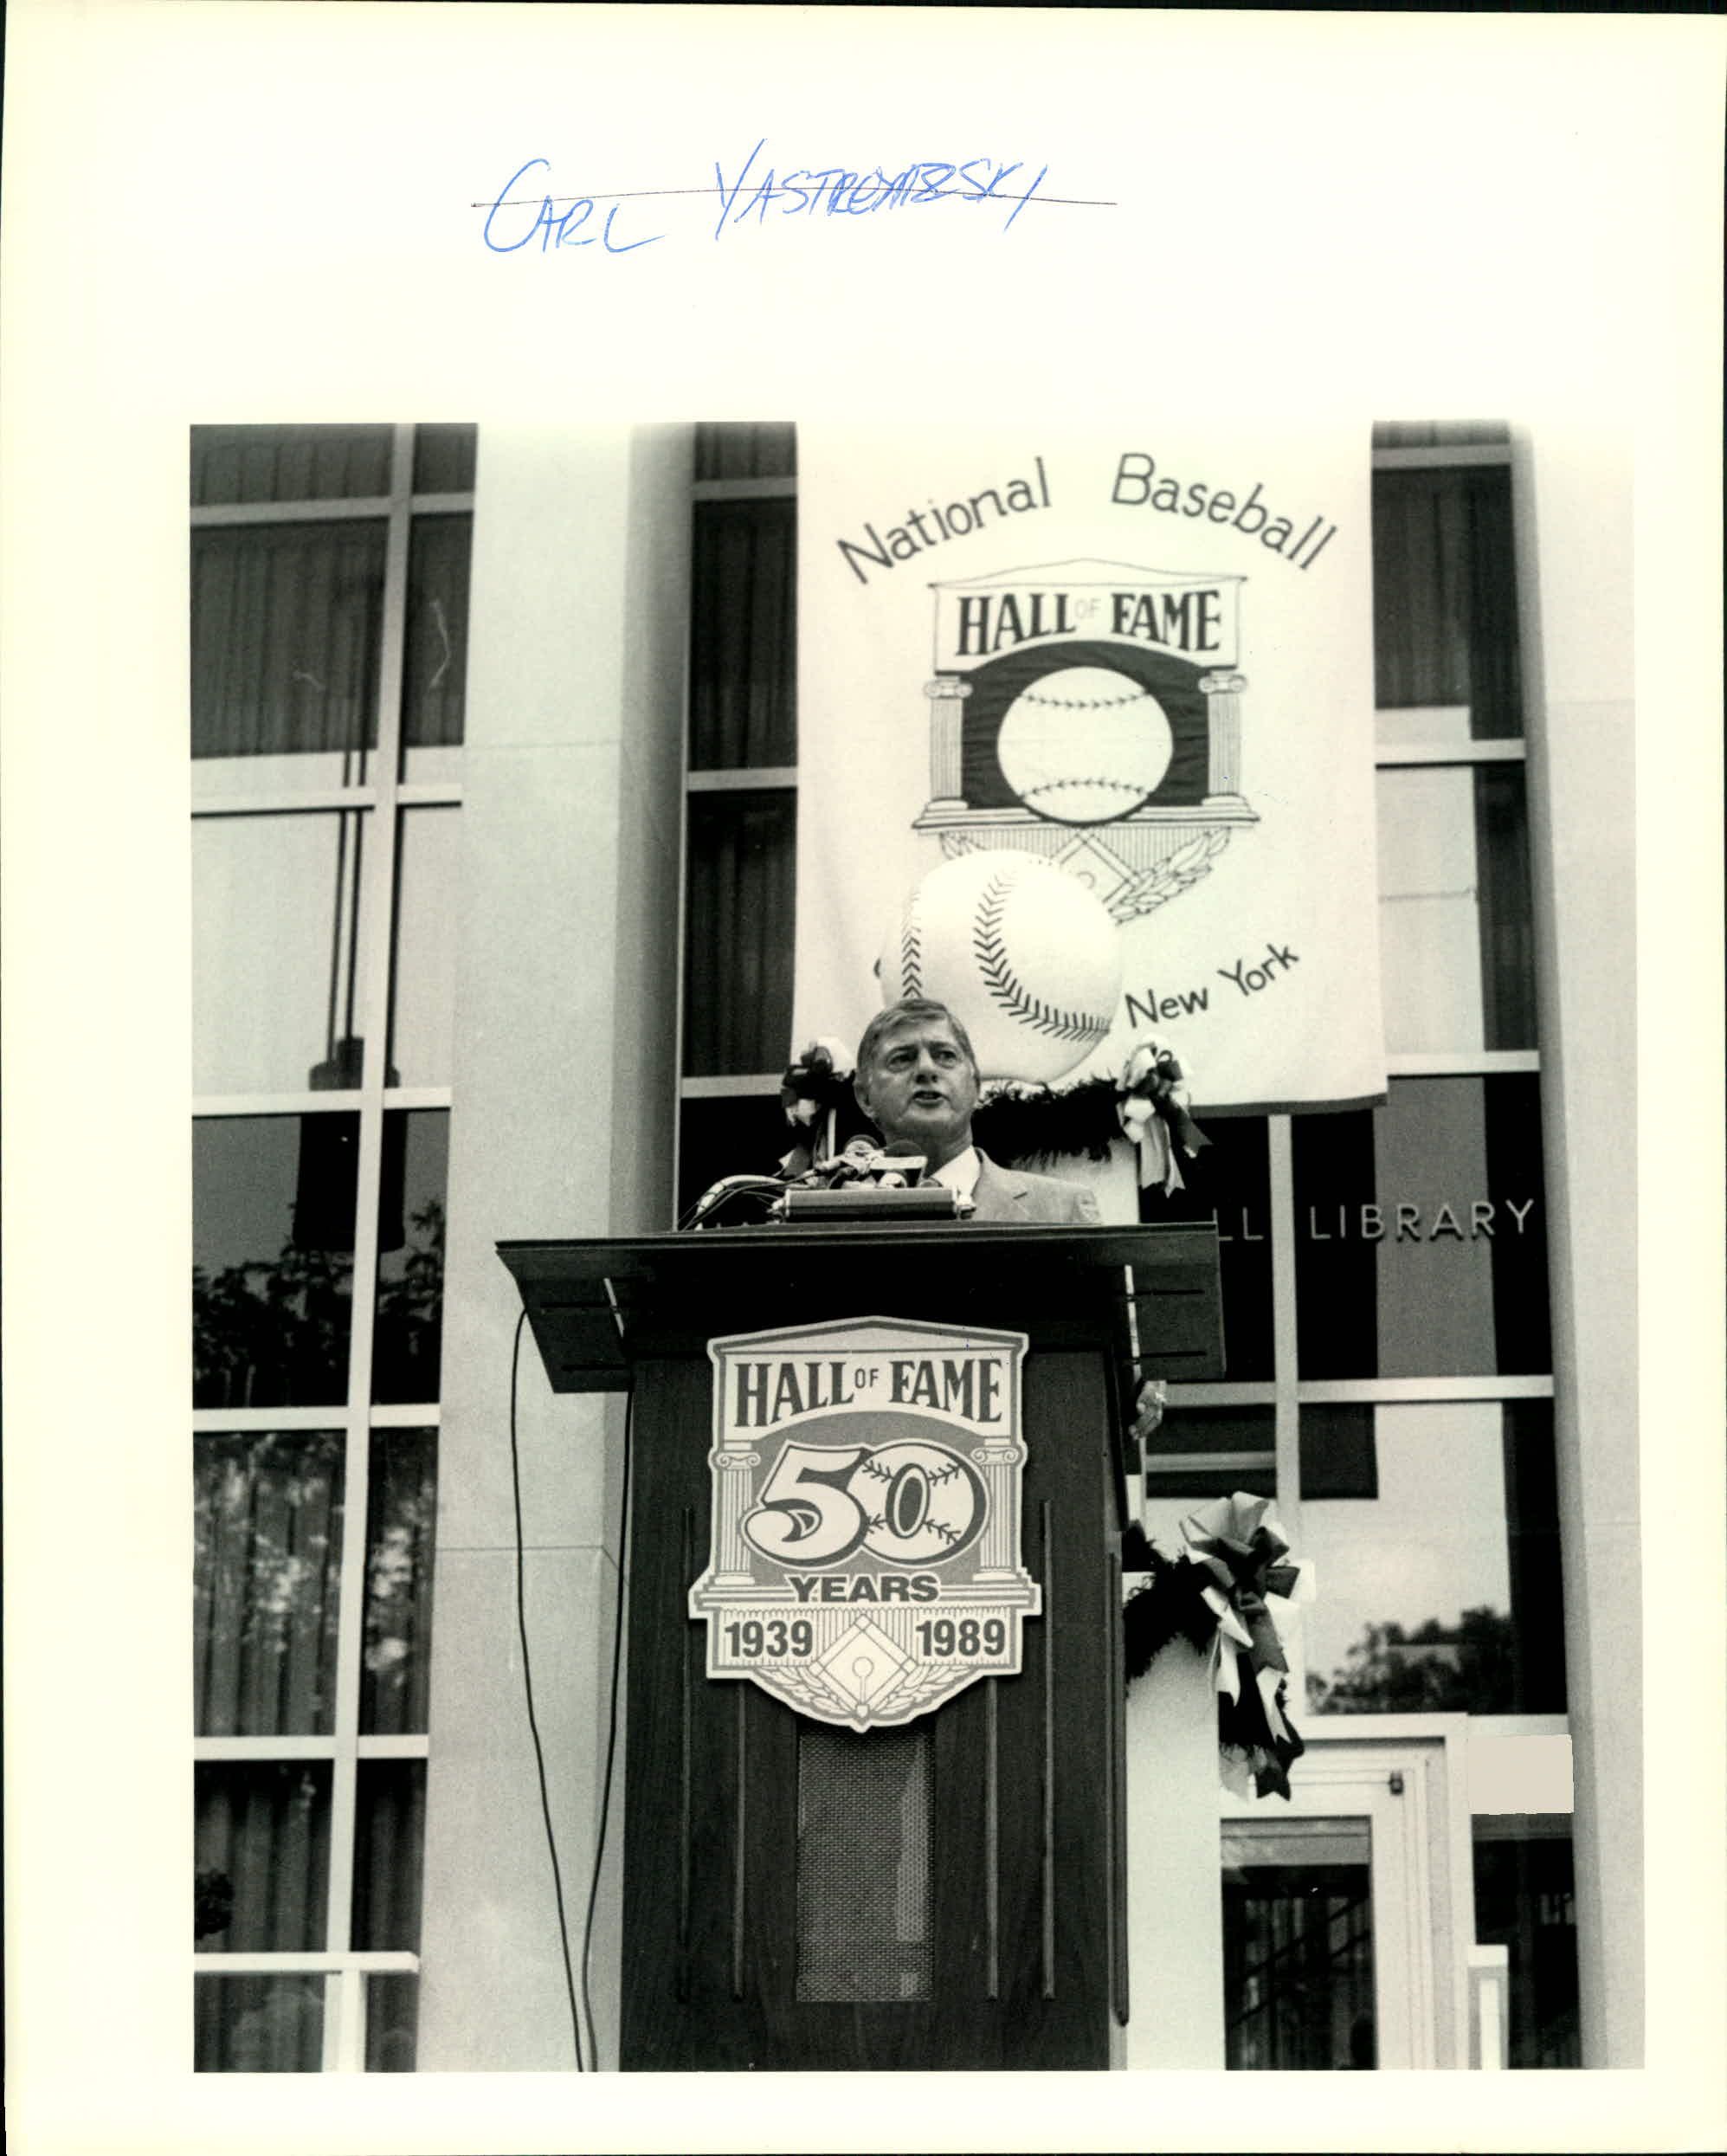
328	645
1384	1272
741	831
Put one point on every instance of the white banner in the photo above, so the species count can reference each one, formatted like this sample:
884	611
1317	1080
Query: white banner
1144	662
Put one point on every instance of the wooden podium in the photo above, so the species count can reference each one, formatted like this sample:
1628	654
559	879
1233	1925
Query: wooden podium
948	1893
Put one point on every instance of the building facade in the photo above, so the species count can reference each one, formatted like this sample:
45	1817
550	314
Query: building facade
495	813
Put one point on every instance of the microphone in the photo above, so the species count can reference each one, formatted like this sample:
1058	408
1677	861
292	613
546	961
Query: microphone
900	1166
852	1165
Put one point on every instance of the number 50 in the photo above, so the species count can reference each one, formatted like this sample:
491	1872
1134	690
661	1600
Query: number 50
911	1503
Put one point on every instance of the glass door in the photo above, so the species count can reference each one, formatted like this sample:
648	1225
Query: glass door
1298	1944
1323	1960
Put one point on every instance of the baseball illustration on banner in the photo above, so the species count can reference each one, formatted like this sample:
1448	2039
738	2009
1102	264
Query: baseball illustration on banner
1085	745
1142	666
1026	955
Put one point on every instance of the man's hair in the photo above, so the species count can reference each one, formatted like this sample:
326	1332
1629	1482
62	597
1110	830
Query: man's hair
912	1010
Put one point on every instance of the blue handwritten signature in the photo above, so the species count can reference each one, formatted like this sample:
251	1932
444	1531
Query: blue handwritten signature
837	193
514	222
552	226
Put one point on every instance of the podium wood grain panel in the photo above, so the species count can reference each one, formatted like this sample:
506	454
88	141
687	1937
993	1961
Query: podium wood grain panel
1024	1844
683	2007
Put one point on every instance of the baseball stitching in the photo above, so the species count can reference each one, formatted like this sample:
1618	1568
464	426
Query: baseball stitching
1005	985
911	951
1054	785
1084	703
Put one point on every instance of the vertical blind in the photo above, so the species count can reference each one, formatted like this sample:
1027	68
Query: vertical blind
286	624
1445	628
738	949
269	1517
742	648
252	464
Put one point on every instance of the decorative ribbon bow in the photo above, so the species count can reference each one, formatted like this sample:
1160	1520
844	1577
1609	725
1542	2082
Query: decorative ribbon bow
1239	1542
812	1087
1151	1104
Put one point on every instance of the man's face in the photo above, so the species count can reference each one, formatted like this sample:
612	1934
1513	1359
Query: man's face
921	1087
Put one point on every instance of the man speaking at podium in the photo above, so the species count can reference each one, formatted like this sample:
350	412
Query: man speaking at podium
918	1083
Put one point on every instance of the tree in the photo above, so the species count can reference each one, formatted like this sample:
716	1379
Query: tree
1467	1667
273	1332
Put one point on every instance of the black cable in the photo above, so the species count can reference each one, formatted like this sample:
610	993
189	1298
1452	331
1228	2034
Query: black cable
717	1197
611	1734
528	1688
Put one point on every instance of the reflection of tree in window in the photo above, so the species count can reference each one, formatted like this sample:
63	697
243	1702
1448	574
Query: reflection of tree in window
268	1516
403	1480
273	1332
1467	1667
408	1333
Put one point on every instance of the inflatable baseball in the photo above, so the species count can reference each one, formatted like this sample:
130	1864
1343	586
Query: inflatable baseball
1025	954
1083	744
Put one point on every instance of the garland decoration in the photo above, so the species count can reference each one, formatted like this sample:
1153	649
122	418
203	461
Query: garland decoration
1023	1125
1214	1597
817	1085
1148	1105
1028	1126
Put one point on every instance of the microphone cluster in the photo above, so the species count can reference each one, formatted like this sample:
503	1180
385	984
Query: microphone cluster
897	1168
864	1182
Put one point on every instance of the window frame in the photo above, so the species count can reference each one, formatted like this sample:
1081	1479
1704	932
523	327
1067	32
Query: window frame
382	799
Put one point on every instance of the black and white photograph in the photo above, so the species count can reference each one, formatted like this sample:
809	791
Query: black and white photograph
920	969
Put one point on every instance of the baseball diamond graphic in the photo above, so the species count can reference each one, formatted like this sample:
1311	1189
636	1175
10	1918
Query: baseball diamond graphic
1113	754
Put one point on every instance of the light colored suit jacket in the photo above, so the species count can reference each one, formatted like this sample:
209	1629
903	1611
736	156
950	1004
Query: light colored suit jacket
1012	1194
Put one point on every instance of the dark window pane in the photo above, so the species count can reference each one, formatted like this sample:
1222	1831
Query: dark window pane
1421	1233
268	1515
742	1135
408	1335
435	678
743	635
1456	944
738	946
1444	615
390	1835
1230	1182
289	463
1439	1588
392	2023
1339	1456
745	448
1507	925
1199	1453
1525	1900
264	1856
281	931
285	630
258	2025
273	1238
400	1533
443	459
